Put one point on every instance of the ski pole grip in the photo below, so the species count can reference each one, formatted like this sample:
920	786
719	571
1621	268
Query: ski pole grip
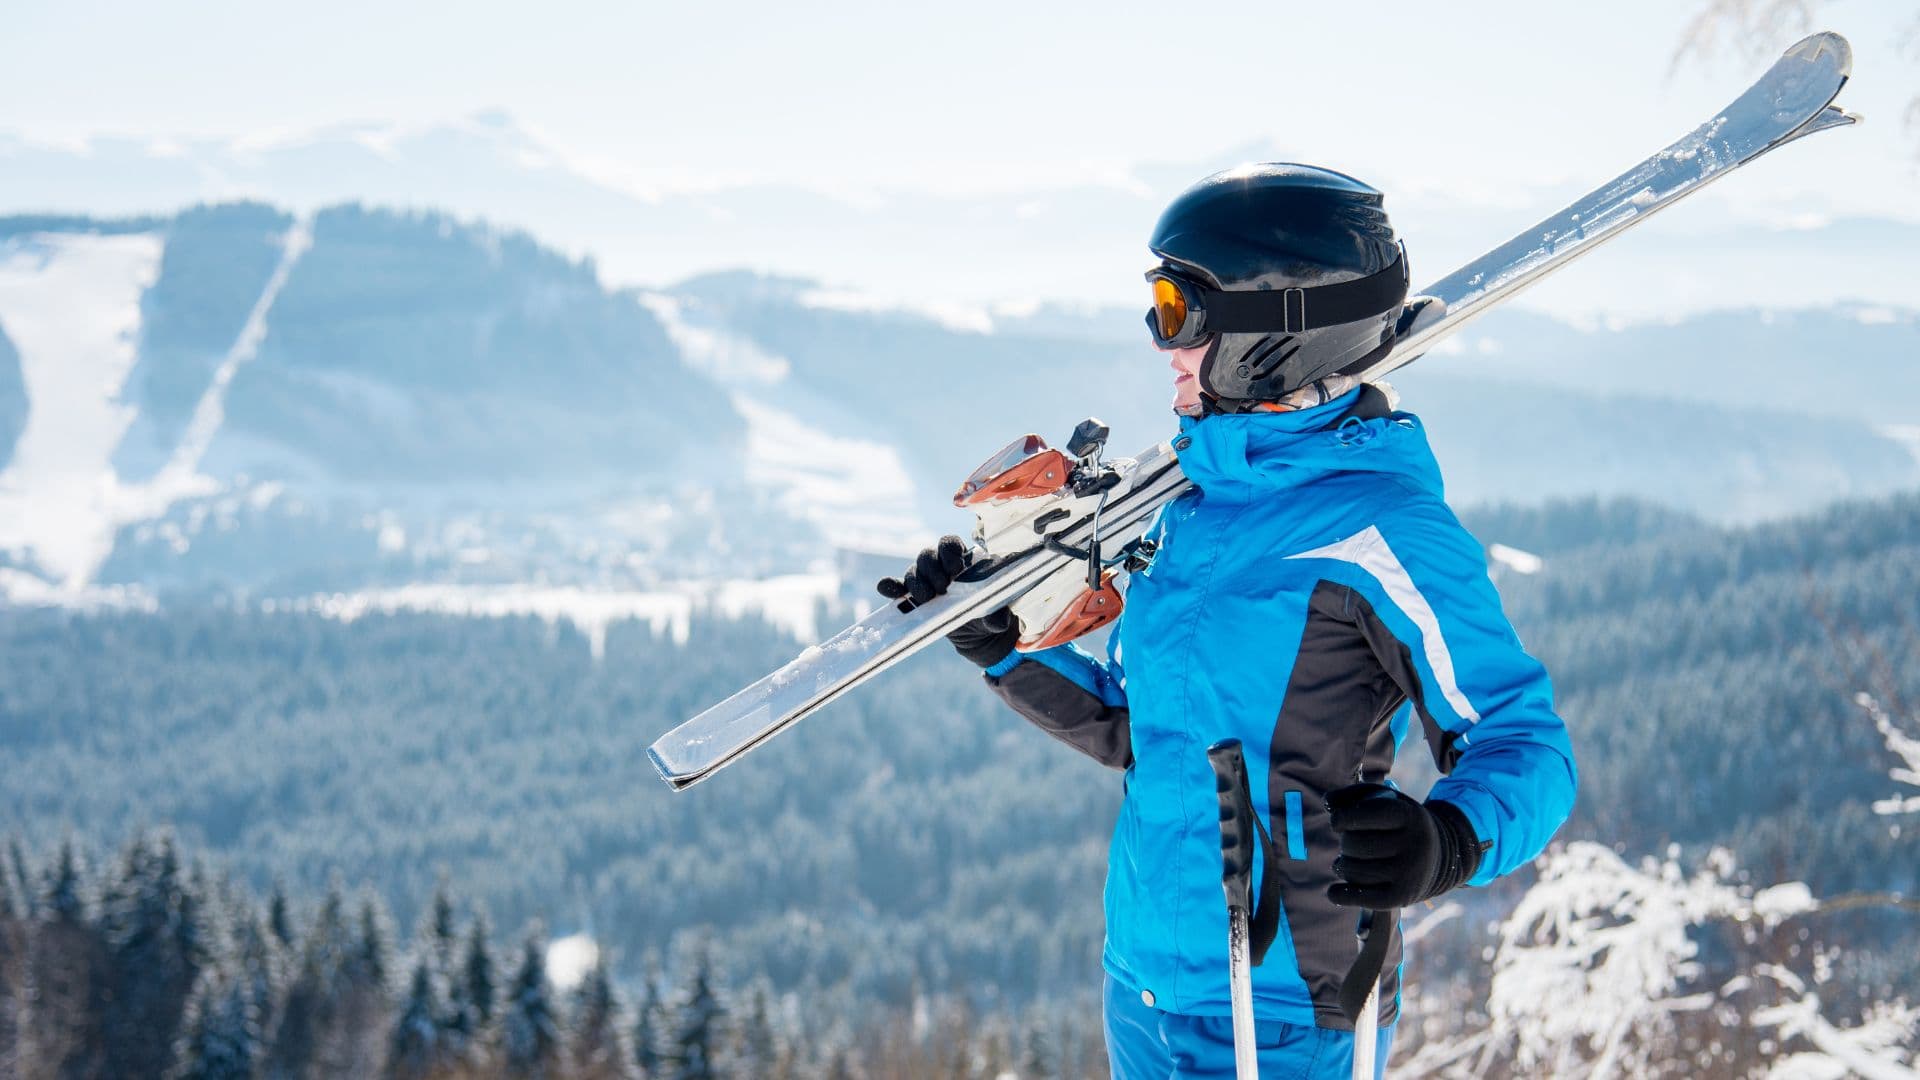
1236	822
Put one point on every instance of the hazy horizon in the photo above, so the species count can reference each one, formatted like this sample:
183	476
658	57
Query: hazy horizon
1018	156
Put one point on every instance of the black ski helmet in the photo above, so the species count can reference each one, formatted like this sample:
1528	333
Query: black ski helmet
1288	229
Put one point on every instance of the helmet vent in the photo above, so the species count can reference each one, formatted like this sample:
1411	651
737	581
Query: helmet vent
1263	358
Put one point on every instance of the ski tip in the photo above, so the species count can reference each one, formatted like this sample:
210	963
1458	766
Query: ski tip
675	780
1826	44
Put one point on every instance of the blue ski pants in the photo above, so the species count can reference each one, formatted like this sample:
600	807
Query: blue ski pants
1144	1043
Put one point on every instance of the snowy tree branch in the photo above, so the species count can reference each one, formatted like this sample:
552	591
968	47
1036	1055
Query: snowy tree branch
1901	745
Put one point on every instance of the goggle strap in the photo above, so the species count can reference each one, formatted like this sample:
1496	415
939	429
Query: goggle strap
1295	310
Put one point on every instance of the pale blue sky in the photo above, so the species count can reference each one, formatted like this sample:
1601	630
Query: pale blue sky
958	96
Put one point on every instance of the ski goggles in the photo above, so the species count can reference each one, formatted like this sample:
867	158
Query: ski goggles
1187	312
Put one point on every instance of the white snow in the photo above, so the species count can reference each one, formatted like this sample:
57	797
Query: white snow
569	959
1514	559
1905	748
1907	435
1613	939
25	590
587	611
1871	315
1778	902
856	491
1872	1048
211	411
964	318
71	304
790	602
727	359
1600	957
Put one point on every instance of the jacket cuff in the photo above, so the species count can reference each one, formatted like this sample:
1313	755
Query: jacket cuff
1006	664
1462	849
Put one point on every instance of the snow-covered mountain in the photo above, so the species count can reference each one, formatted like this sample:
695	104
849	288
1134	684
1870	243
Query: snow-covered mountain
238	398
411	411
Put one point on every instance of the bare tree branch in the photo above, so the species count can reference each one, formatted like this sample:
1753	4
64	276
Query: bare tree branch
1754	29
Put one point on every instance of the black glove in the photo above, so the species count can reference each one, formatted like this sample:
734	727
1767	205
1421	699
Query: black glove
1395	851
986	640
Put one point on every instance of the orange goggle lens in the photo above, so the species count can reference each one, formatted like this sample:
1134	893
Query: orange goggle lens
1170	306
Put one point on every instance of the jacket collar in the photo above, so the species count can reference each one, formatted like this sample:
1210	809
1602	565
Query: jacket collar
1243	455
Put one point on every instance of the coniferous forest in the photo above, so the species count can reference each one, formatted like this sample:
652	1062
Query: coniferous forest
152	965
283	845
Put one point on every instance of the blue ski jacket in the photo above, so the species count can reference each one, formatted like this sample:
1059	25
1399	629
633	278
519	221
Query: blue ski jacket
1310	592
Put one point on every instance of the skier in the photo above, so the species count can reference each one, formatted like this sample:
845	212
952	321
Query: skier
1311	596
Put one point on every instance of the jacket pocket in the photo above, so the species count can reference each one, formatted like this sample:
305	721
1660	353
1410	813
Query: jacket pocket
1296	826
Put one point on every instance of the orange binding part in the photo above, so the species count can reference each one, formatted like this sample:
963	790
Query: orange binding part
1023	469
1091	610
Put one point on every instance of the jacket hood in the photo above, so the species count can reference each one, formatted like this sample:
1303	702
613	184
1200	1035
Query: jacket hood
1245	455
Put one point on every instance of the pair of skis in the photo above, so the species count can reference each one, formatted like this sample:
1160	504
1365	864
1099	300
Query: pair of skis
1048	520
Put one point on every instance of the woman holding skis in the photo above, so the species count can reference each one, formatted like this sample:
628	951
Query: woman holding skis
1313	597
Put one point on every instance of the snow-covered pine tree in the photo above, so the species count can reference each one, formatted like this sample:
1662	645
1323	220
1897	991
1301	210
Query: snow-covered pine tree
149	921
63	1034
257	964
842	1065
357	1046
529	1027
221	1040
371	960
21	877
700	1029
280	916
438	948
1037	1058
440	937
650	1024
473	990
13	942
757	1049
597	1046
313	996
61	897
418	1048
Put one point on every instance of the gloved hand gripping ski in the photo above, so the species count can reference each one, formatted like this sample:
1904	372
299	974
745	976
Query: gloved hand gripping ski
986	640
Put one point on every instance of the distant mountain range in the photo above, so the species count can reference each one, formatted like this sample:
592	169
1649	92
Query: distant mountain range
963	257
241	397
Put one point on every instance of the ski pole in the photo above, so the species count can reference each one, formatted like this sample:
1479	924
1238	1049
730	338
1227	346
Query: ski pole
1366	1026
1360	990
1236	878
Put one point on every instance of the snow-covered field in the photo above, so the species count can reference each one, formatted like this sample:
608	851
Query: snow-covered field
790	602
856	491
71	304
